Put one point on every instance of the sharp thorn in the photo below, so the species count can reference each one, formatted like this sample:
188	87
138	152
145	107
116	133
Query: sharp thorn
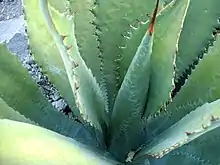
76	86
69	47
149	15
75	64
189	133
64	37
213	118
151	26
204	126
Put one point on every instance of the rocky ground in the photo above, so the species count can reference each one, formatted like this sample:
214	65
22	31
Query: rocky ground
12	32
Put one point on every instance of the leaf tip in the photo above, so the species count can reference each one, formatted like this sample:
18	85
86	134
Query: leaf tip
153	19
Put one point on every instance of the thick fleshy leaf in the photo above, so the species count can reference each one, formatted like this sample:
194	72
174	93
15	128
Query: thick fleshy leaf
133	36
185	155
202	86
25	144
126	119
20	92
7	112
200	121
113	18
207	146
202	151
86	35
167	31
61	6
89	97
45	51
144	161
197	34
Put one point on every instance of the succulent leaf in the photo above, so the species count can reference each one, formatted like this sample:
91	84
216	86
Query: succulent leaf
86	34
20	92
144	161
112	17
47	147
200	121
61	6
7	112
120	82
207	146
185	155
133	36
197	34
45	52
201	151
167	31
202	86
89	97
131	98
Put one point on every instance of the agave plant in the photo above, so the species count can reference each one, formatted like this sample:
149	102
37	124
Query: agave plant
143	88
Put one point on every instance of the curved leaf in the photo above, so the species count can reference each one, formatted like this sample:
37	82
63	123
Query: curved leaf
202	151
199	25
45	51
167	31
207	146
86	34
202	86
133	36
20	92
89	97
185	155
200	121
126	119
61	6
7	112
113	17
144	161
47	147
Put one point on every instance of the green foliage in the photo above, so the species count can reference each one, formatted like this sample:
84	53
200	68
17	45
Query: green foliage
48	57
147	90
191	126
167	31
35	145
193	42
132	97
20	93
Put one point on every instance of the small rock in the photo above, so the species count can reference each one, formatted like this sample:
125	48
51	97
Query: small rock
59	104
12	9
29	61
41	82
55	96
27	66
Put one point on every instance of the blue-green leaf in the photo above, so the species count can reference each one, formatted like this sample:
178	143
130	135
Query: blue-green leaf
126	119
20	92
26	144
7	112
44	49
201	20
89	97
113	18
200	121
167	31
